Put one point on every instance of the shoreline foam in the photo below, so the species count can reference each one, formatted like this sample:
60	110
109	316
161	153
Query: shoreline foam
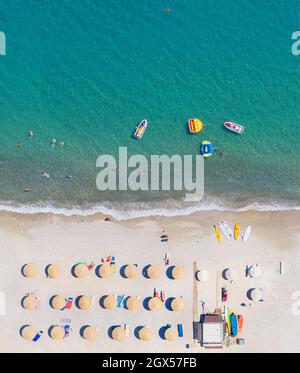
141	210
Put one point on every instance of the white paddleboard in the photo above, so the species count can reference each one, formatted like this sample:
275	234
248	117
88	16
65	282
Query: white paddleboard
225	229
247	234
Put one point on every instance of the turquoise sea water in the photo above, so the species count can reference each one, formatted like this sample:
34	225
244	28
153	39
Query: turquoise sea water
88	71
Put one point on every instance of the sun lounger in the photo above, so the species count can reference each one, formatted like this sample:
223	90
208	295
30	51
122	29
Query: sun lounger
67	330
119	300
167	259
65	320
69	303
37	336
127	329
180	330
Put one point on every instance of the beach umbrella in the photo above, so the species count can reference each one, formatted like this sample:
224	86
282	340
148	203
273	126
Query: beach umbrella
28	332
30	270
171	334
53	270
106	270
81	270
177	304
257	295
30	302
178	272
118	334
131	271
57	333
132	303
110	302
202	275
155	304
153	271
145	333
90	333
255	271
85	302
230	274
58	302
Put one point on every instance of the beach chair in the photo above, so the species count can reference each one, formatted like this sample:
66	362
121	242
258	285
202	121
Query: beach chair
120	300
37	336
180	330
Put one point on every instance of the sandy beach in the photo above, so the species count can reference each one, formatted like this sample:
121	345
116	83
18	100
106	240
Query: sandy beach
269	326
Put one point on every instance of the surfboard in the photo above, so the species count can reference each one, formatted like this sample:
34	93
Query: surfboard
218	233
236	231
234	324
240	322
247	234
229	321
225	229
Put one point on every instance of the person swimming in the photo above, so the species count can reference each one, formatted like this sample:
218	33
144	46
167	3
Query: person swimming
46	174
61	143
30	134
53	142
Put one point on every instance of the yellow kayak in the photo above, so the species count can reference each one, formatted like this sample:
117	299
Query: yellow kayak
236	231
218	233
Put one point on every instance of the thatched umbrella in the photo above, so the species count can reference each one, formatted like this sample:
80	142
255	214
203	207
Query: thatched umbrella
177	304
202	275
118	334
28	332
90	333
145	333
85	302
171	334
57	333
231	274
154	271
178	272
30	270
30	302
257	295
81	270
155	304
53	270
132	303
106	270
131	271
255	271
58	302
110	302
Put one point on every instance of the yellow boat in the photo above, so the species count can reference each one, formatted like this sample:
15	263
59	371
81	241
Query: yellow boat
236	231
218	233
195	125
